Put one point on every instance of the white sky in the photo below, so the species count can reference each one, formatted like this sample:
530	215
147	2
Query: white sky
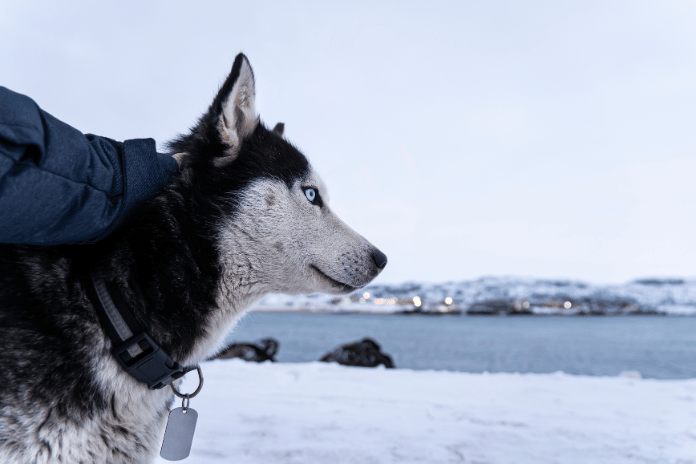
548	139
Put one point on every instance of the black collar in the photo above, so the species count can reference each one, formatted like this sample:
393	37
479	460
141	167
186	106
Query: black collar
132	347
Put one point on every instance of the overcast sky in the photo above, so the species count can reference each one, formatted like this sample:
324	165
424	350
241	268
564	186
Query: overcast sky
544	139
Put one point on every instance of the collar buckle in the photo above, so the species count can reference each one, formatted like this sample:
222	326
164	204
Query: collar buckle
147	362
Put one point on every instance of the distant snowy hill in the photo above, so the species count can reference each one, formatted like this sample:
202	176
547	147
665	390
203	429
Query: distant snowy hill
505	295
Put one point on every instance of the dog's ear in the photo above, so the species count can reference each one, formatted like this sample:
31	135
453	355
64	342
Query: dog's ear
235	108
279	128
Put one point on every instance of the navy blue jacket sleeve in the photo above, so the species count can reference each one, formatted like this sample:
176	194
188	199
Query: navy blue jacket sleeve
60	186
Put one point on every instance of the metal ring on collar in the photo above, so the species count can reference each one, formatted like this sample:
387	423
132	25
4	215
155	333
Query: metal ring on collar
198	390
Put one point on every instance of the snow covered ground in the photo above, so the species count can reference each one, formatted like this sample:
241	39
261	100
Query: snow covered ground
324	413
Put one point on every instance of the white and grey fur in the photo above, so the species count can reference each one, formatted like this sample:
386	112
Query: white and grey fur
236	223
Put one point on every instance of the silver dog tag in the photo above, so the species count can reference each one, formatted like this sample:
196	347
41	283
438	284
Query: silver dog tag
178	435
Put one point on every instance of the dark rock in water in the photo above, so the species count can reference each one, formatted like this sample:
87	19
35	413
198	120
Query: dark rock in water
365	353
265	350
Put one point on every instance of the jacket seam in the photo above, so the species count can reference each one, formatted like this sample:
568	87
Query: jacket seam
11	124
15	163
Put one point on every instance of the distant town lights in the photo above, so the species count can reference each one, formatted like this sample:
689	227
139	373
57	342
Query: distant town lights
448	301
567	305
417	301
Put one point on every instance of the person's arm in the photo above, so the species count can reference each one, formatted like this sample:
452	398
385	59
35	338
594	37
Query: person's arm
59	186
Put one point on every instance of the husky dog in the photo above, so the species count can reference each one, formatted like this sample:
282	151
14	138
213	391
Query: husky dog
245	216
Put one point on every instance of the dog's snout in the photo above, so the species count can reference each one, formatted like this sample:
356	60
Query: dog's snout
380	259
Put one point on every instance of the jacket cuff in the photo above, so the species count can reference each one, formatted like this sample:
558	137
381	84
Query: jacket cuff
145	171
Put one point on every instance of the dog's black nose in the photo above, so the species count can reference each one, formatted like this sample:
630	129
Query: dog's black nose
379	258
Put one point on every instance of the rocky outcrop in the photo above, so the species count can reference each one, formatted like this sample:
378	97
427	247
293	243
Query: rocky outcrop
365	353
264	350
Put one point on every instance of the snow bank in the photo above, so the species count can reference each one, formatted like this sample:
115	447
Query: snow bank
324	413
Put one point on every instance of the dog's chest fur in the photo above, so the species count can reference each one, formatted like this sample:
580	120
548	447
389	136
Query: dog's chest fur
64	398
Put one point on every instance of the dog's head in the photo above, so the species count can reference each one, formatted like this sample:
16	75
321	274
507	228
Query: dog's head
269	207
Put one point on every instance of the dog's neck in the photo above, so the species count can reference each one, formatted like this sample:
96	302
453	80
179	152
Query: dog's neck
168	262
242	282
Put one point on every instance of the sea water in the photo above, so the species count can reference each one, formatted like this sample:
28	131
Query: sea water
656	347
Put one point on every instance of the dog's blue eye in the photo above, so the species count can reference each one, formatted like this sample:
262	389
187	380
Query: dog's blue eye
311	194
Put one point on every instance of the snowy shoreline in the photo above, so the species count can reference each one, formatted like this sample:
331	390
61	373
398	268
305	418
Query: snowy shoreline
512	296
325	413
688	312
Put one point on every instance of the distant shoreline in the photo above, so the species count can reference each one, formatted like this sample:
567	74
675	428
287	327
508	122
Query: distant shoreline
493	296
461	314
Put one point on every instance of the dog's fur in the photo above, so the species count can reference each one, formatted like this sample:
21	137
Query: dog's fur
233	225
